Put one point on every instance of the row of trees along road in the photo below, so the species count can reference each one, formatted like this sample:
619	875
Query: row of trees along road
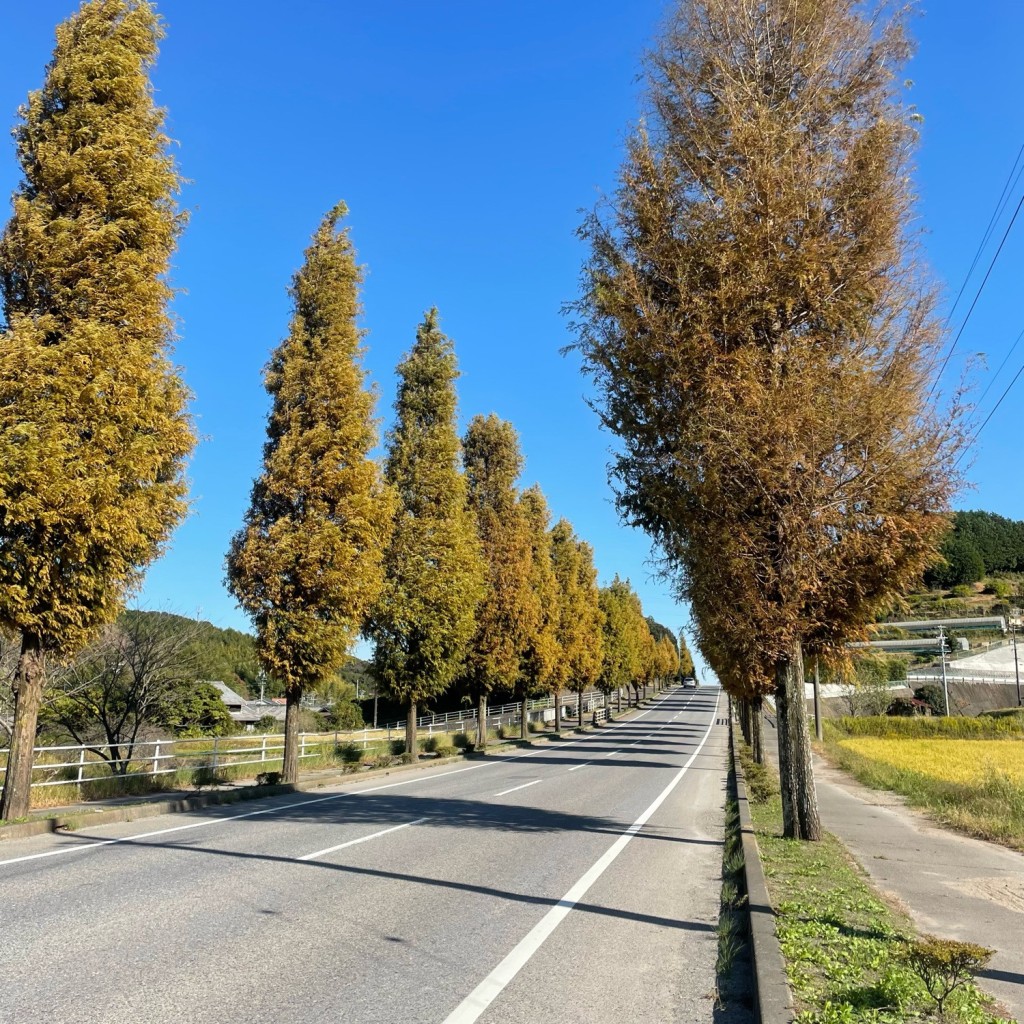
765	344
455	576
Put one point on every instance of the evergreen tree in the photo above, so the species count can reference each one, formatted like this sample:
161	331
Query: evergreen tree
570	628
537	663
93	427
306	566
433	567
503	621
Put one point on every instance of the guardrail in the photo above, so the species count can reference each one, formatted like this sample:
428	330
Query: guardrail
82	764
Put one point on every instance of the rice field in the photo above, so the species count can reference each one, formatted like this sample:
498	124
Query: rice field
975	785
948	760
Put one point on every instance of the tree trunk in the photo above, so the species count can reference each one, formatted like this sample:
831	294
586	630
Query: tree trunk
28	695
290	761
757	728
523	713
796	775
743	711
410	730
481	722
618	700
558	711
579	707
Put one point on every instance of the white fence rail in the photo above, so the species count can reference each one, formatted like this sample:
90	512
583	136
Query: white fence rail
83	764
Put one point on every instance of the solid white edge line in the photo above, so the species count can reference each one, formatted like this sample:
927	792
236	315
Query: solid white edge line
515	789
92	845
361	839
491	987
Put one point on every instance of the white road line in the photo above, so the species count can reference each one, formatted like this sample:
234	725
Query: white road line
613	753
515	789
298	803
470	1009
362	839
576	767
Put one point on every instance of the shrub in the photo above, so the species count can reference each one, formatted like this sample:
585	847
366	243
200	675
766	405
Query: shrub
535	726
397	747
761	783
383	760
268	779
462	741
901	707
932	696
944	965
963	590
349	753
206	776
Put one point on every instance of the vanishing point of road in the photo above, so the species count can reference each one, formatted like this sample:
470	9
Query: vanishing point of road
575	881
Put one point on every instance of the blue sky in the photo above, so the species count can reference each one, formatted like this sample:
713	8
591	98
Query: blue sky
465	138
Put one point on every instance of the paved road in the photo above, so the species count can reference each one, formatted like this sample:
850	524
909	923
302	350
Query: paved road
576	882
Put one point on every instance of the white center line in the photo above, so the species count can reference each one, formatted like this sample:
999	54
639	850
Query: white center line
470	1009
577	766
613	753
515	789
362	839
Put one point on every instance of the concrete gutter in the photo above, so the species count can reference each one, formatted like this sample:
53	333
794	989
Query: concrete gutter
773	1001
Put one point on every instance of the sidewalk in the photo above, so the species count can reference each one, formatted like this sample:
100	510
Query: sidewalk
951	885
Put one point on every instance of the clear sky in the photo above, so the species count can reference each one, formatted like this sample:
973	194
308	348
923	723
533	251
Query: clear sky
465	138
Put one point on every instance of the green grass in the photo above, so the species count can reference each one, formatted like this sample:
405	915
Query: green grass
732	967
843	945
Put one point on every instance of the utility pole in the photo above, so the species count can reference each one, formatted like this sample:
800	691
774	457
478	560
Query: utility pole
942	658
818	731
1014	622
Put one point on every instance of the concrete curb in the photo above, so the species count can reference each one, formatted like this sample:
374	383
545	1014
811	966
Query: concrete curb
773	1001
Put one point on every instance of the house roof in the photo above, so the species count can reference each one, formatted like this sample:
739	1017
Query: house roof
227	695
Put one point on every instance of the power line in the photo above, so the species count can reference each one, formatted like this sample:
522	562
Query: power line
996	212
995	376
977	433
977	294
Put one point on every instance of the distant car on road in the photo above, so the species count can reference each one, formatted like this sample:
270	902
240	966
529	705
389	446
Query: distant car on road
690	681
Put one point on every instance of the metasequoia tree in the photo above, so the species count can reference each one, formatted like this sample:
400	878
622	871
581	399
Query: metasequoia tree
588	654
306	566
93	427
572	629
504	617
762	339
621	661
666	660
433	570
540	650
686	667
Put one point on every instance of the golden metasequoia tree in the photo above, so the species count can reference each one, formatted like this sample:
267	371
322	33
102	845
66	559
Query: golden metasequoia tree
763	339
540	651
307	564
94	431
504	617
433	568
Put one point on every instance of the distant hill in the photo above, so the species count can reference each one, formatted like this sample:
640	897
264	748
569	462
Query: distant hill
230	655
980	543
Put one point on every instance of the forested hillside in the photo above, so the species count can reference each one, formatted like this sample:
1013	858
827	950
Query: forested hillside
979	543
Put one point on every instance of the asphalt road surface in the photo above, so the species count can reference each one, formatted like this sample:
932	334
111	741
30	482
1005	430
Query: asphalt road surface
574	882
